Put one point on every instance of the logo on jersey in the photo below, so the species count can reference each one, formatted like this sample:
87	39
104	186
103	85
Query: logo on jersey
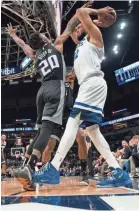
76	53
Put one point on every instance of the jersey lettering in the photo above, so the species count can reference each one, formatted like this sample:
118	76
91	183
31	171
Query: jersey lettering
77	50
76	54
51	61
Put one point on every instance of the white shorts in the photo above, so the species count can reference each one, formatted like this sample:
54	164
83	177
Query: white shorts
90	101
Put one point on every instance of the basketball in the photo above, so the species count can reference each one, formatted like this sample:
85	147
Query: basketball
110	20
105	20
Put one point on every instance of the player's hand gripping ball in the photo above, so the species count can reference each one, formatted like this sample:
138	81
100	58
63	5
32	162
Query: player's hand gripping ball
106	17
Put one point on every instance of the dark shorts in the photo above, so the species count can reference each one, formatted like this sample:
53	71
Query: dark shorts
50	102
59	129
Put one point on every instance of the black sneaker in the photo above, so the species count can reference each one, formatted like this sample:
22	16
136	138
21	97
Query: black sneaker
24	176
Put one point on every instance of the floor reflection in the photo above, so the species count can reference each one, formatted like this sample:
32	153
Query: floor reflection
81	202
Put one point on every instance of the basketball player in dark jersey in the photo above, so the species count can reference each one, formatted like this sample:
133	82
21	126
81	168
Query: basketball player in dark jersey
51	95
59	130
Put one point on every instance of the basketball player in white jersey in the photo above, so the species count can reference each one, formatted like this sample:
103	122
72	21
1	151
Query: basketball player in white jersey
88	107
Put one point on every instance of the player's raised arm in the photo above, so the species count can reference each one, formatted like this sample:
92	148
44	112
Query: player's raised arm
74	21
93	31
26	48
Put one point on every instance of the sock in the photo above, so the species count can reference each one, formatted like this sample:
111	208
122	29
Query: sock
66	141
83	167
25	161
36	168
32	161
102	145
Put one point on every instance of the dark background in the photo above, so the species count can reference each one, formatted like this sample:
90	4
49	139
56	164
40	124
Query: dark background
18	101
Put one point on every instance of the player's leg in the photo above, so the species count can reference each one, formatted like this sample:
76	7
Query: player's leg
98	96
53	94
51	171
67	141
30	149
84	157
102	145
119	177
55	137
46	156
40	106
25	176
82	150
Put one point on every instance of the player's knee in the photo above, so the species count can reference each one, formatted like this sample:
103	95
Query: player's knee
93	129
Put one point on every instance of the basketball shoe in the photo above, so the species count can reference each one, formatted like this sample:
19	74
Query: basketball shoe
24	176
117	178
47	175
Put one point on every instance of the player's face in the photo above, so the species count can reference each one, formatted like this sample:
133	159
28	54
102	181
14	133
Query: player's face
80	30
78	33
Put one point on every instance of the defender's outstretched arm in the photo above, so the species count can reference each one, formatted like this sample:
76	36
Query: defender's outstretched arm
26	48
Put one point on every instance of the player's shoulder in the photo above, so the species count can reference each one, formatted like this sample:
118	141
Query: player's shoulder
52	48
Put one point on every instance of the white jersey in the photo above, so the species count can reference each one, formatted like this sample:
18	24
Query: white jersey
87	60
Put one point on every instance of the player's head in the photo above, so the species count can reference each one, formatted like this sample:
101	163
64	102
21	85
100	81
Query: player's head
78	34
37	40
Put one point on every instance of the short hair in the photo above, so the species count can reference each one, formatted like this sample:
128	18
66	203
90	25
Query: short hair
36	41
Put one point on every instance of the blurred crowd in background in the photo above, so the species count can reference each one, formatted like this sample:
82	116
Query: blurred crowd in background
14	146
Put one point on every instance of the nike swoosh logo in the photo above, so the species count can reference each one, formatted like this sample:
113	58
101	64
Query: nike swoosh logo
120	175
44	180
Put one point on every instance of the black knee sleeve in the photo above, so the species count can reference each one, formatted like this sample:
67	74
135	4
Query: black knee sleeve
45	132
30	149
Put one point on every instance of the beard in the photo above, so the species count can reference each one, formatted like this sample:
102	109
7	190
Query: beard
80	37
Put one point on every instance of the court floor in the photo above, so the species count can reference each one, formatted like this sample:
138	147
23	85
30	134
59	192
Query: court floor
68	194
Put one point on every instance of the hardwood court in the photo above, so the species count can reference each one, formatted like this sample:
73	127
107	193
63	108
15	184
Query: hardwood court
68	186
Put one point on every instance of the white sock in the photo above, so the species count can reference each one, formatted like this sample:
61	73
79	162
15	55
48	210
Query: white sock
36	168
66	142
102	145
